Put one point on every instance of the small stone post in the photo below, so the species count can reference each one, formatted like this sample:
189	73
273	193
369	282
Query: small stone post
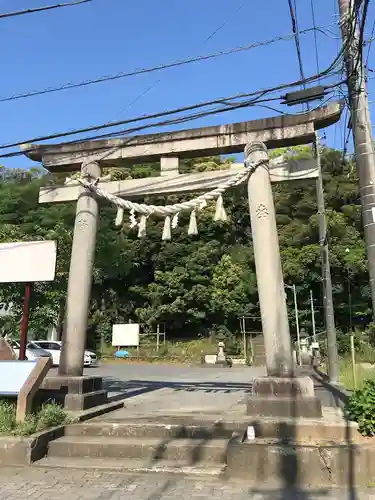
273	309
80	277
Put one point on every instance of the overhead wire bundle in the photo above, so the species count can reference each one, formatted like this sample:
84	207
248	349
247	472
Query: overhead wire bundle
189	113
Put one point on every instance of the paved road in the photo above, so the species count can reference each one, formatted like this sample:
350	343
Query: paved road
156	388
41	484
176	389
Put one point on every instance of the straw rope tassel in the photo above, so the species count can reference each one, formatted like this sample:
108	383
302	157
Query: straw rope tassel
142	227
220	213
167	229
193	228
119	216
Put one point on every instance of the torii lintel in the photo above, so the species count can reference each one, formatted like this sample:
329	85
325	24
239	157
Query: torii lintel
279	131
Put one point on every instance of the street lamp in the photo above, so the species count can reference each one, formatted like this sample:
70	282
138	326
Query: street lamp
293	287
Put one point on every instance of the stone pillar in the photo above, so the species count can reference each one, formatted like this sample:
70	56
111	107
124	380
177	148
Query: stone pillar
279	394
273	309
80	277
169	166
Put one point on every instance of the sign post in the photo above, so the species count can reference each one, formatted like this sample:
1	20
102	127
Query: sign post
25	321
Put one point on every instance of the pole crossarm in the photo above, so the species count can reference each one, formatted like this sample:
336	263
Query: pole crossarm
279	131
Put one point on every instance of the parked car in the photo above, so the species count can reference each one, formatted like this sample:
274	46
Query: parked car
54	348
33	351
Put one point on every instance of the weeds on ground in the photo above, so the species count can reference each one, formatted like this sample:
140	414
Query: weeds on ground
360	408
346	374
49	415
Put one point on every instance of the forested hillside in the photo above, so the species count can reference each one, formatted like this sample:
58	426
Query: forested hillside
194	284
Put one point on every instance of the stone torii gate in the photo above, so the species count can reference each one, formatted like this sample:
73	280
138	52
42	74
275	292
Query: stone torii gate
91	156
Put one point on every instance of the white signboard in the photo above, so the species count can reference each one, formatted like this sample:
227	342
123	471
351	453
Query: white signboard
27	261
125	335
13	375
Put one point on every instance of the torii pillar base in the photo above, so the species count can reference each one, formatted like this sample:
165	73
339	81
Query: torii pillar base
283	398
75	393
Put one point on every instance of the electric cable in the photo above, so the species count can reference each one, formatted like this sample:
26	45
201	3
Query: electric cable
42	9
178	120
160	67
155	115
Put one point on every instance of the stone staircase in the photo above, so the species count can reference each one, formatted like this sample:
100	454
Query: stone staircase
142	446
259	354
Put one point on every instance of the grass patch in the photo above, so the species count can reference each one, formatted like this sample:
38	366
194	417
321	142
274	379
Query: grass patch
362	374
178	352
49	415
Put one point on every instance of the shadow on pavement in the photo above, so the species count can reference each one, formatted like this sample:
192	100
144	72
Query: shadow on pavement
131	388
291	470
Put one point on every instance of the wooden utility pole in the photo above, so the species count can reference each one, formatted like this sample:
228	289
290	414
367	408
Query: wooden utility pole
362	132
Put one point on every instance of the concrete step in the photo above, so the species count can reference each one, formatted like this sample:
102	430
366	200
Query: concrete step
258	341
153	430
134	465
259	354
188	452
259	361
306	430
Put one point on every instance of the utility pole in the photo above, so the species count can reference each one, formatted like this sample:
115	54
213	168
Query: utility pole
297	324
329	317
312	315
362	132
293	287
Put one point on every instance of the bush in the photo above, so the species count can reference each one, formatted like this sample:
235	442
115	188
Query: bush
361	408
370	332
7	417
49	415
364	348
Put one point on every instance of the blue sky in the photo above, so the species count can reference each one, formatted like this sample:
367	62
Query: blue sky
108	36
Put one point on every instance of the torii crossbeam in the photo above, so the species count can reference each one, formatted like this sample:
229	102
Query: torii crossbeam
91	156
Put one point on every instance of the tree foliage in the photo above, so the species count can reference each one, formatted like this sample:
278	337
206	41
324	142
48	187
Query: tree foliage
194	283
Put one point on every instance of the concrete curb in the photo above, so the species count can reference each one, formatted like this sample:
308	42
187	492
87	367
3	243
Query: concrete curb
24	450
301	465
96	411
21	450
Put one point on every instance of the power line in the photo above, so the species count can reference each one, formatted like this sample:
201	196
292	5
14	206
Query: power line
41	9
153	85
160	67
296	38
137	119
207	39
315	34
260	93
223	101
369	43
195	116
143	127
294	19
224	23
